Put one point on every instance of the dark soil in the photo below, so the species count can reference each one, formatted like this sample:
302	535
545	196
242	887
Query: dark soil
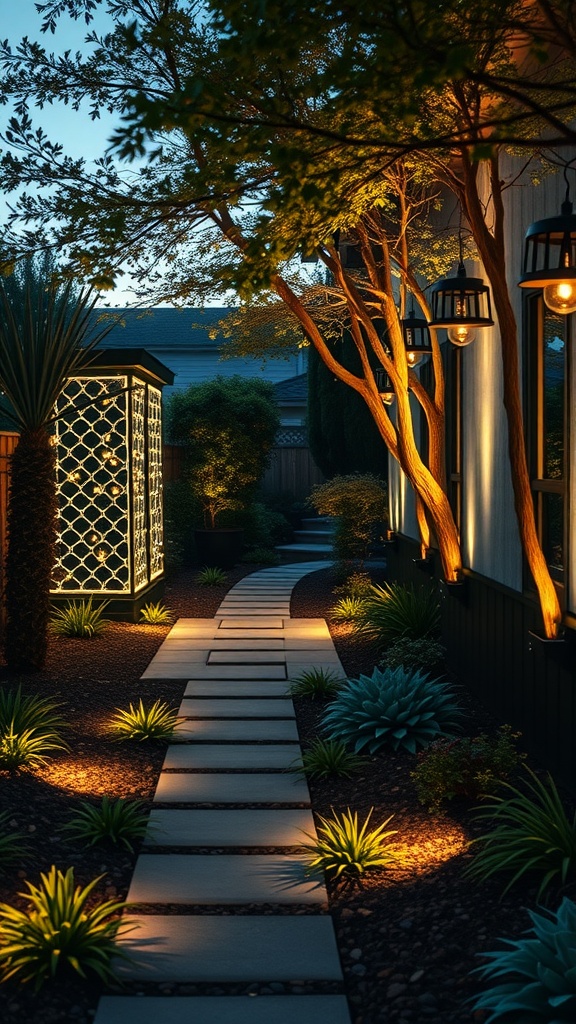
408	939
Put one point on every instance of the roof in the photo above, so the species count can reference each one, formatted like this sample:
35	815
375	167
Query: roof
162	327
294	390
134	358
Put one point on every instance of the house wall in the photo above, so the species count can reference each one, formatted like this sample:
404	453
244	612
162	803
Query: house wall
202	364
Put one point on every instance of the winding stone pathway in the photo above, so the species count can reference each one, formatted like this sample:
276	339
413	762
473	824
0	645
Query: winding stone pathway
239	814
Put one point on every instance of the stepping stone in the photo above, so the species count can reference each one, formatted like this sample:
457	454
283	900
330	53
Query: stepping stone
235	688
240	729
215	948
177	656
248	635
229	827
232	757
226	672
308	629
230	644
223	879
258	621
196	787
222	1010
244	657
220	708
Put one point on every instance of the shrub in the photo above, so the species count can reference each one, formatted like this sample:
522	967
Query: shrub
343	847
78	618
324	758
395	611
261	556
424	653
532	834
156	615
119	821
13	848
539	974
210	576
30	728
57	932
348	609
360	503
316	682
397	708
356	584
156	722
467	766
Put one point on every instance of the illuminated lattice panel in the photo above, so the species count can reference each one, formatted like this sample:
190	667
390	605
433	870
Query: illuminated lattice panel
155	482
94	541
139	497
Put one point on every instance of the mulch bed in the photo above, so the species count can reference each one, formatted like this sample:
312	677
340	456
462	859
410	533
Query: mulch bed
408	939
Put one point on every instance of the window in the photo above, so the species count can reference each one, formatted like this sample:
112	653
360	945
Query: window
547	376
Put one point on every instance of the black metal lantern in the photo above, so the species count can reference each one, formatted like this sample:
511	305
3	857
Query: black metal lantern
461	304
417	341
550	259
384	385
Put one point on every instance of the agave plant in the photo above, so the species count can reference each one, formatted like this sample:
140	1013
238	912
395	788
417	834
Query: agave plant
531	833
156	722
343	847
539	976
397	708
156	615
13	848
30	729
210	576
57	932
118	821
316	682
396	610
324	758
79	618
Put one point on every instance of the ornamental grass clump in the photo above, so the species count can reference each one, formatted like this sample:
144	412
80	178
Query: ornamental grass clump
156	722
325	758
537	974
156	615
348	609
395	708
79	618
345	848
395	610
531	834
210	576
118	821
30	730
57	933
316	682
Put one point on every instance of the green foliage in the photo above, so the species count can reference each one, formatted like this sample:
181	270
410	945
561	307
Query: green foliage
316	682
264	527
156	614
467	766
30	729
422	652
210	576
181	511
58	933
343	847
79	618
156	722
396	708
325	758
396	610
360	503
348	609
13	847
261	556
531	834
538	972
228	426
119	821
356	584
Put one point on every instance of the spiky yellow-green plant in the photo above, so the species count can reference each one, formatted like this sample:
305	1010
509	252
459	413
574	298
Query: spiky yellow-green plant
343	847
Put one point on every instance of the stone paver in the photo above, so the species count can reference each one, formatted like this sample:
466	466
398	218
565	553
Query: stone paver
221	672
246	657
246	729
236	708
223	879
235	688
232	757
229	827
253	621
212	788
223	1010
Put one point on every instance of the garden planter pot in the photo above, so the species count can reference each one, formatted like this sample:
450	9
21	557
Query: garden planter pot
219	548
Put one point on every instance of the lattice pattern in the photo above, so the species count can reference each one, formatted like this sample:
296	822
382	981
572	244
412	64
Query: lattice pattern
155	481
292	437
139	488
92	474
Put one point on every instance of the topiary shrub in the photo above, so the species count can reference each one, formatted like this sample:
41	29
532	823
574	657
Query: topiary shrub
538	973
398	708
360	503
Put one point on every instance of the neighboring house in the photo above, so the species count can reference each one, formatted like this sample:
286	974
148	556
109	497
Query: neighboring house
530	682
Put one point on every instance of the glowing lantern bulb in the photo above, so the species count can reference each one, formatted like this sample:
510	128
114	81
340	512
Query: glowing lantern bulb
560	297
462	335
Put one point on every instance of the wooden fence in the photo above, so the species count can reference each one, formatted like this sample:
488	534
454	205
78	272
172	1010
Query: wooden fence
291	471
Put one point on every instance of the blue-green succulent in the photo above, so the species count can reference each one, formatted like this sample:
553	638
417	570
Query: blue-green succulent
397	708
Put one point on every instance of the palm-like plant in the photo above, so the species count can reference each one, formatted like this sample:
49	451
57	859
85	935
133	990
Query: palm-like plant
44	329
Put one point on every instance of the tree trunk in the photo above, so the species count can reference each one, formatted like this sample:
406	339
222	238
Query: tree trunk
30	559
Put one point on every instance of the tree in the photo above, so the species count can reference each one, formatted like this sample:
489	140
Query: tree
44	328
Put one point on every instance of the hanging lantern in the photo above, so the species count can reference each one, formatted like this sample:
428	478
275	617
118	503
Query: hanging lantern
461	304
384	385
550	259
416	336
